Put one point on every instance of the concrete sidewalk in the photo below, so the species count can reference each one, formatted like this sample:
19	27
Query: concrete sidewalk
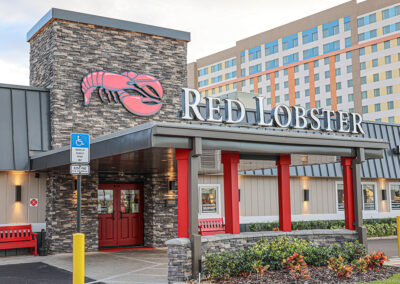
136	266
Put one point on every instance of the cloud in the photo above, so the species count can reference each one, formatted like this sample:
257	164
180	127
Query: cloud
11	73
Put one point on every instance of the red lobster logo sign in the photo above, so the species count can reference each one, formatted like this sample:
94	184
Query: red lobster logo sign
140	94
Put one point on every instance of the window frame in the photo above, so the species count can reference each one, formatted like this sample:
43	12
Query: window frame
362	196
218	214
390	196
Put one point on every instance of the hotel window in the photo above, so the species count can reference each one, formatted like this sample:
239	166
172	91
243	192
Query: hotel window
317	104
277	87
347	26
210	200
337	58
296	69
243	72
297	94
376	77
268	89
268	101
338	72
339	100
368	196
326	60
362	66
377	107
327	88
351	98
361	37
244	83
271	49
286	97
317	91
385	14
388	59
296	82
268	76
386	29
286	84
375	63
348	55
391	119
374	48
388	75
364	95
278	99
328	102
349	83
307	92
363	80
373	33
285	72
387	44
305	66
307	105
316	78
362	51
206	92
242	59
220	90
338	86
377	92
360	22
213	91
277	74
327	74
351	110
234	85
365	109
389	90
316	63
349	69
306	79
390	105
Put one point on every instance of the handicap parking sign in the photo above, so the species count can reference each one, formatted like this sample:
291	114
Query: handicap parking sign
80	148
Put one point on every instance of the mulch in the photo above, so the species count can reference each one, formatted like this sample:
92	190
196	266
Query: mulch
318	275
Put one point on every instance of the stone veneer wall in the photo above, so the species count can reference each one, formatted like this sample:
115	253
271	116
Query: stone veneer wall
61	54
180	255
61	212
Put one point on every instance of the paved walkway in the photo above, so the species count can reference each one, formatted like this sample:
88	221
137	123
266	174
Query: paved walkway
138	266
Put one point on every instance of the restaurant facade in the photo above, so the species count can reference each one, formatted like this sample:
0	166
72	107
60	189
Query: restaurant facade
162	159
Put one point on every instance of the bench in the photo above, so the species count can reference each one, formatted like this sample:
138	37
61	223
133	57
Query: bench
18	236
212	226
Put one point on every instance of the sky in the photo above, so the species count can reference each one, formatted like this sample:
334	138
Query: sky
214	24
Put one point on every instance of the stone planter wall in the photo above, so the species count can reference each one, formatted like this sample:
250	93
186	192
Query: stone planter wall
180	255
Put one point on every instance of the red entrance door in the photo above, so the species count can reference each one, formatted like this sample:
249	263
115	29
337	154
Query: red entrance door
120	209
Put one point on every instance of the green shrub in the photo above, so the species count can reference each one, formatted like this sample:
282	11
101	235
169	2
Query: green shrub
270	253
375	227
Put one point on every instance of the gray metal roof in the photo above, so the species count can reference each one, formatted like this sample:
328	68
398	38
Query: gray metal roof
105	22
24	125
387	167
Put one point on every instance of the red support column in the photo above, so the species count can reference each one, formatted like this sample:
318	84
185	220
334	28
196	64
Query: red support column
231	192
182	156
349	217
285	217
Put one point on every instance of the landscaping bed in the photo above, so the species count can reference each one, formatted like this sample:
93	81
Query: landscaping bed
318	275
287	260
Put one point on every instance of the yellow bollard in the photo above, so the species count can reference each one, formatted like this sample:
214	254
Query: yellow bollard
398	234
78	259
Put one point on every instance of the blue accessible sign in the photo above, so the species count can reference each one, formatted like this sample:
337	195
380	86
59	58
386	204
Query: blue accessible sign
80	148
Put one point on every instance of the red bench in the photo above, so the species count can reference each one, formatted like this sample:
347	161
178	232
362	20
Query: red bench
19	236
211	226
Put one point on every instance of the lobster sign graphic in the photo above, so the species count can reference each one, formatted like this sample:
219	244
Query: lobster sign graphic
140	94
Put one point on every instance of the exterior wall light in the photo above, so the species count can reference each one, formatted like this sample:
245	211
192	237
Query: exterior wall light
18	192
384	194
306	194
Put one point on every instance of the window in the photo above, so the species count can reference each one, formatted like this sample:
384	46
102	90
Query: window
351	98
377	107
363	80
388	59
307	92
327	74
347	42
268	101
332	46
391	119
351	109
372	18
348	55
242	58
388	75
377	92
316	63
285	72
296	82
327	88
386	29
338	86
316	77
306	79
362	66
317	104
268	76
390	105
369	200
326	60
361	37
297	94
360	22
347	26
373	33
389	90
286	97
387	44
277	87
317	91
376	77
296	69
286	84
305	66
395	195
338	72
339	99
328	102
349	68
271	48
210	205
307	105
268	89
253	55
243	72
385	14
365	109
349	83
362	51
278	99
364	95
375	63
251	81
374	48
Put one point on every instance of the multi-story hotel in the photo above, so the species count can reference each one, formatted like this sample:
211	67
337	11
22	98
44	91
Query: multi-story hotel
344	58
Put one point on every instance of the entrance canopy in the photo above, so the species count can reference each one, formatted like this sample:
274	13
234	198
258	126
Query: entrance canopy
148	147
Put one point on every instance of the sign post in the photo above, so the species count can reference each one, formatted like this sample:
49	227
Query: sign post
80	158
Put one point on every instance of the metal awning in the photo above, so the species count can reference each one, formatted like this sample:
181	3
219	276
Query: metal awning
154	141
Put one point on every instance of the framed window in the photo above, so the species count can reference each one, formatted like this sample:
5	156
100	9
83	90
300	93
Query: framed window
210	201
369	196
